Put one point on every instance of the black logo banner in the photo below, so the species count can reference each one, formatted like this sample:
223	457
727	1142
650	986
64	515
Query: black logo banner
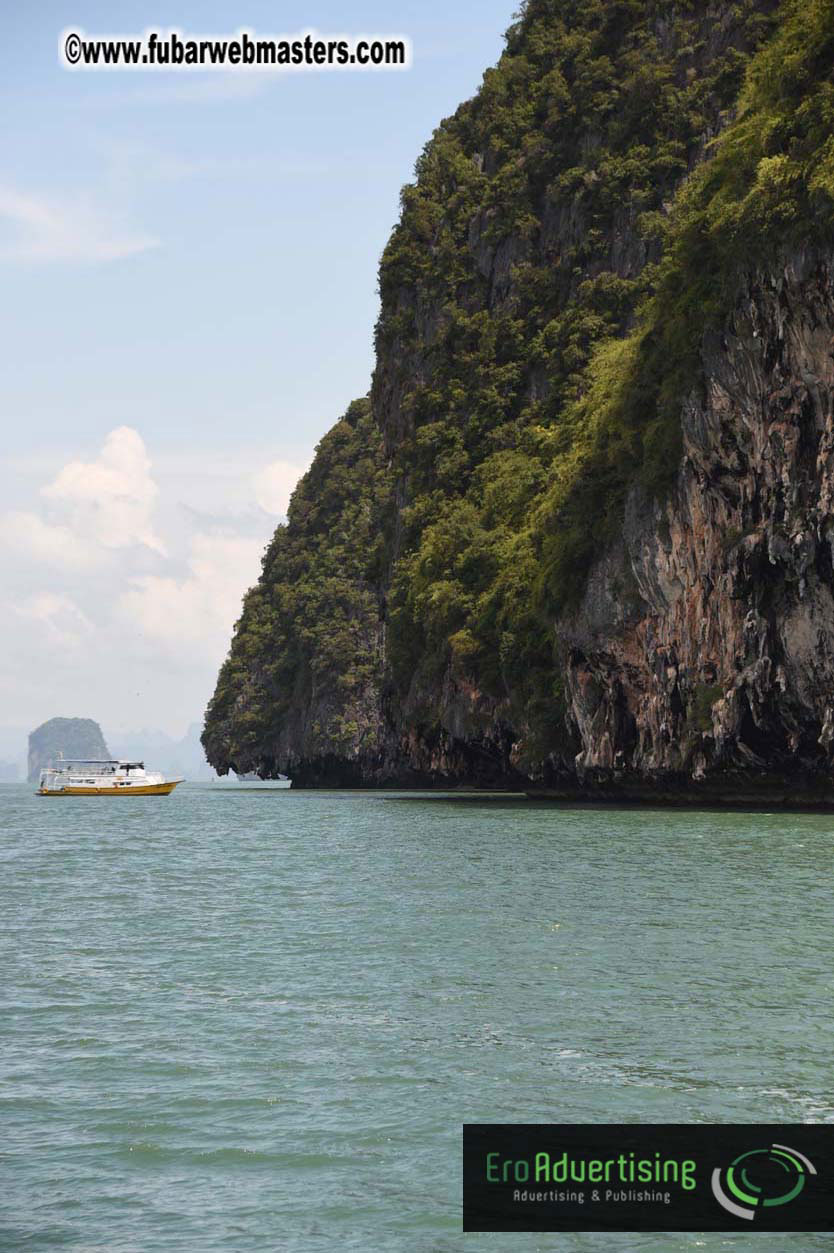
660	1177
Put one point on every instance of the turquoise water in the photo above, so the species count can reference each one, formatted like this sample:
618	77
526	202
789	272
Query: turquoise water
257	1020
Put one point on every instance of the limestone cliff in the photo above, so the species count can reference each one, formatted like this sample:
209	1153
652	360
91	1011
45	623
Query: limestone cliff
67	737
579	537
721	658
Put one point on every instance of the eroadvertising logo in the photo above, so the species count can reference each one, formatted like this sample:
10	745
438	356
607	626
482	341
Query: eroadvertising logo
658	1177
760	1179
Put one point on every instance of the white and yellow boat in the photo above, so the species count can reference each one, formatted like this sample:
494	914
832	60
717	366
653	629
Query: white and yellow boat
103	778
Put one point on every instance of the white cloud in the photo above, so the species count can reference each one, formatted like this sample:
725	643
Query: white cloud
53	544
73	229
58	617
111	500
274	484
116	563
94	508
196	613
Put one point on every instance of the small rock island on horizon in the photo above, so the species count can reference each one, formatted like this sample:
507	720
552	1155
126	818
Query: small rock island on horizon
72	737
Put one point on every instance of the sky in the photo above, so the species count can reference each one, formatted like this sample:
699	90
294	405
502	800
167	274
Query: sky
189	287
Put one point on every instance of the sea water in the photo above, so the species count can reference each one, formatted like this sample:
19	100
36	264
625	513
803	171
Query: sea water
255	1020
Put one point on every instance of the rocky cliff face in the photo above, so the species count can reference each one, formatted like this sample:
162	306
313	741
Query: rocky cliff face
70	737
721	659
580	539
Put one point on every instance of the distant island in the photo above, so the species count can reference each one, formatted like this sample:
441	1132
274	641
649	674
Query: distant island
70	737
174	756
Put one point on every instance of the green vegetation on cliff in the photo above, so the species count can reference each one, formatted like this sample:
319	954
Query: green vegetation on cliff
309	632
767	186
531	234
572	233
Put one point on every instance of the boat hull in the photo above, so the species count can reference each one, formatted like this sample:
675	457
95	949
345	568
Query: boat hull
141	789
